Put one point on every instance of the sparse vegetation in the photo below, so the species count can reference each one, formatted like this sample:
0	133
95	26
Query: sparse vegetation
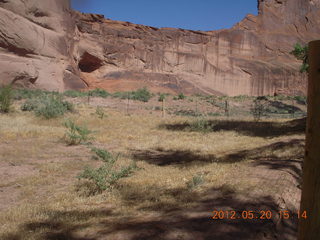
196	180
100	112
76	134
74	94
105	176
6	98
142	94
200	125
162	97
181	96
99	93
173	159
48	106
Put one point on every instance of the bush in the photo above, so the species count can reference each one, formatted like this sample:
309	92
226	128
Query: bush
31	93
76	134
181	96
301	100
106	176
100	112
6	99
30	105
74	94
52	107
197	180
142	95
48	106
200	125
162	97
98	93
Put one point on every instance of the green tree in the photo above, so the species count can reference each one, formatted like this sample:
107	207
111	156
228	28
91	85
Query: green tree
301	53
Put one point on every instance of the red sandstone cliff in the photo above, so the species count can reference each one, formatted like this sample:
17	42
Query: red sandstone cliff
36	44
252	58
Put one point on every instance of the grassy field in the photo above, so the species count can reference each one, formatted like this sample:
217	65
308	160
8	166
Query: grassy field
186	168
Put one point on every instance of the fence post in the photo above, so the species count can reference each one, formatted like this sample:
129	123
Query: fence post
309	228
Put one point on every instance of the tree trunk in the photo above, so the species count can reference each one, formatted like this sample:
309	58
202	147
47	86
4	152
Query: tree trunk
309	229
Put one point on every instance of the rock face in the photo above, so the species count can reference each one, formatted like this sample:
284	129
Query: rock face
36	44
45	45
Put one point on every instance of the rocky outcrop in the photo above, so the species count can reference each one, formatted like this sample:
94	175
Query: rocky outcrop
45	45
36	44
252	58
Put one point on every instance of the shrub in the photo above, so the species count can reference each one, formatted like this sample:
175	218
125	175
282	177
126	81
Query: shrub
105	176
30	105
98	93
100	112
196	180
51	106
162	97
76	134
301	100
74	94
181	96
142	94
6	98
48	106
30	93
200	125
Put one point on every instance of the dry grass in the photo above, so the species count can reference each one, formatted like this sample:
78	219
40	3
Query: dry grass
44	179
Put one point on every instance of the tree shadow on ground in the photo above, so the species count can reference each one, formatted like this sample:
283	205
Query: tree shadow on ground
265	156
163	157
60	225
259	129
277	106
262	156
174	224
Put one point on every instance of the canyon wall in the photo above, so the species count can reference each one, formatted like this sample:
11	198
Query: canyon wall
36	45
49	46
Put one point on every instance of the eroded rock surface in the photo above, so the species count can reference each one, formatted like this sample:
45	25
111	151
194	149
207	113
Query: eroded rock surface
36	44
45	45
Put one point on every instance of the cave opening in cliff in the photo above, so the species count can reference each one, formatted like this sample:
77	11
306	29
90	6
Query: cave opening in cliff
89	63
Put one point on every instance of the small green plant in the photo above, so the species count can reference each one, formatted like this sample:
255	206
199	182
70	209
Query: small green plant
301	100
48	106
142	94
99	93
107	175
196	180
162	97
24	93
6	98
30	105
76	134
52	107
100	112
200	125
74	94
181	96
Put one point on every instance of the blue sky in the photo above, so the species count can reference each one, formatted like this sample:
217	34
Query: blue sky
188	14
